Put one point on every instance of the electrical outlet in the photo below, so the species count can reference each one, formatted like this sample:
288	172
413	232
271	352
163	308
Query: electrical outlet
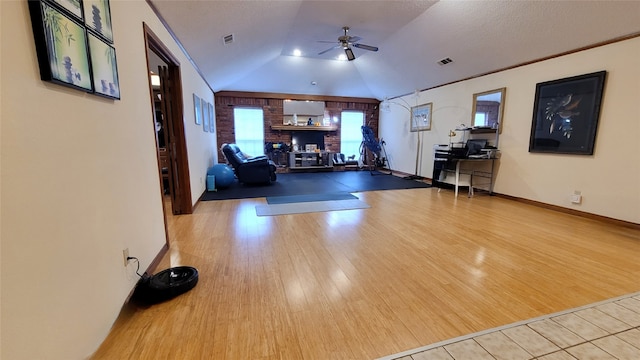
125	256
576	199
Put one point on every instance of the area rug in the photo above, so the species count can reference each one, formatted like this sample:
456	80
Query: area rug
309	197
309	206
315	183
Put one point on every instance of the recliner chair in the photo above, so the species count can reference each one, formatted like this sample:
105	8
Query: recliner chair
249	170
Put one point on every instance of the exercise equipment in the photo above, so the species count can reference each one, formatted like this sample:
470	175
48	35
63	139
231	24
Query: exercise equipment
376	148
224	175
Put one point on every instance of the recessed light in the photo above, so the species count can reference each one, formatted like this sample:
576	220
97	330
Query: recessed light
297	52
314	83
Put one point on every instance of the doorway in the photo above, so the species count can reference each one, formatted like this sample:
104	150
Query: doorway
166	99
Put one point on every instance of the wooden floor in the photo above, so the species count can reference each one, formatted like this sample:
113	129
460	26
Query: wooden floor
416	268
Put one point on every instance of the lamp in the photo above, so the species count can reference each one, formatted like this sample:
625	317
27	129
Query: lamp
451	135
386	106
349	53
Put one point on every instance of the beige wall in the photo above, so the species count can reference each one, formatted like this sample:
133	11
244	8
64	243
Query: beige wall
608	179
79	183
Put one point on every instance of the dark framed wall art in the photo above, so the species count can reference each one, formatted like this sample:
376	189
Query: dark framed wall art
73	41
566	114
73	6
61	45
104	67
97	14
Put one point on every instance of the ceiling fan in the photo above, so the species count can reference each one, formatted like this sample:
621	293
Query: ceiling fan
346	41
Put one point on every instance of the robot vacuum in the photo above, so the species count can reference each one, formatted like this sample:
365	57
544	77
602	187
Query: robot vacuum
166	284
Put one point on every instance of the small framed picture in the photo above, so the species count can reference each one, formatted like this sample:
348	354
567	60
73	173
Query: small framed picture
212	122
104	67
197	109
205	116
421	117
97	17
61	46
72	6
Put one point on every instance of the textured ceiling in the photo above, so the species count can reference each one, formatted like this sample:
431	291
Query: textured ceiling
480	36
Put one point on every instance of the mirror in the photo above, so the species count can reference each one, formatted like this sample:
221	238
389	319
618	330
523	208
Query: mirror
488	109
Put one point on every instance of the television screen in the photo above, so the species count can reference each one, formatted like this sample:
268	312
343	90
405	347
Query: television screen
303	138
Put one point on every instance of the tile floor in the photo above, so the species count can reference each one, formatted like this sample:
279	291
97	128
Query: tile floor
604	330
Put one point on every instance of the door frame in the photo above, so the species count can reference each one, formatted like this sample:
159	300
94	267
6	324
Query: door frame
181	202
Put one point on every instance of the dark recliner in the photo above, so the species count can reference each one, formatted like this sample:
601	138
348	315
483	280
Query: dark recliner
249	170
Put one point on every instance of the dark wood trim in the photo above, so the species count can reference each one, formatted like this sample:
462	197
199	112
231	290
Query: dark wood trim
153	43
588	47
156	260
571	211
261	95
160	48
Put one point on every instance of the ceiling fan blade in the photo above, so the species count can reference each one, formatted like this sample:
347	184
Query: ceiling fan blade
353	39
366	47
329	49
326	41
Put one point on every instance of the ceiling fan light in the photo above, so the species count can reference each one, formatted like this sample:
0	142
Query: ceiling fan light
349	53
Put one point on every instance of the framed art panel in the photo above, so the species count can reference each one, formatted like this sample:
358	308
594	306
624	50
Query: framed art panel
97	17
104	68
421	117
205	116
565	114
212	123
72	6
197	109
61	47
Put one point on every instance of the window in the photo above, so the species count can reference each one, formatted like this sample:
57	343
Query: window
480	119
248	125
351	132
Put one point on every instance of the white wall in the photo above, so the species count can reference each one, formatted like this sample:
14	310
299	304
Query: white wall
608	179
79	183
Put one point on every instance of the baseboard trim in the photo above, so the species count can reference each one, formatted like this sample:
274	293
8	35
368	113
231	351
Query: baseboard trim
151	268
565	210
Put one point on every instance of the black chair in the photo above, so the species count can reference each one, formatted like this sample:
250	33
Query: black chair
249	170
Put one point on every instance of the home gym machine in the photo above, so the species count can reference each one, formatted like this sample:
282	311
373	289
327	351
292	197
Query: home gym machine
378	155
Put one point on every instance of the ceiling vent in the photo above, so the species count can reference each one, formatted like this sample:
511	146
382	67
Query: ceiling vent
228	39
445	61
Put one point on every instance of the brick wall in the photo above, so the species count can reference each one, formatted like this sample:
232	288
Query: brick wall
271	105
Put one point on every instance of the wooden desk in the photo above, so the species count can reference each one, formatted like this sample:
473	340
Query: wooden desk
464	172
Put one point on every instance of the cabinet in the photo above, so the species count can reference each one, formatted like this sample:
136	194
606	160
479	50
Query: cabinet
310	161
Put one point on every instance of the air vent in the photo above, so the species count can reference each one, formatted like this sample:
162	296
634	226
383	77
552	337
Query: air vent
228	39
445	61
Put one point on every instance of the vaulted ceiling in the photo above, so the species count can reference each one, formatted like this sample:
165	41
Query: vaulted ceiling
480	37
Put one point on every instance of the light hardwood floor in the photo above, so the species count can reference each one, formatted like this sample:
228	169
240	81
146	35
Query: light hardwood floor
416	268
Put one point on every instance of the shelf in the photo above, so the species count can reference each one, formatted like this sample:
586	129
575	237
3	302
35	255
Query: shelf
483	131
303	128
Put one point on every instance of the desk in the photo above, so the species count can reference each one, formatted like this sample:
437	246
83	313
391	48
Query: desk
464	172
